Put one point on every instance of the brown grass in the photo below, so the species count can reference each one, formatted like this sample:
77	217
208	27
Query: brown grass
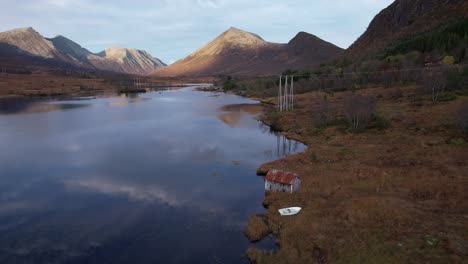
257	228
41	83
396	195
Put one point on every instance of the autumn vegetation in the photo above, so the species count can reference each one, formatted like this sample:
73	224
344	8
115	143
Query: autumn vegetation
384	178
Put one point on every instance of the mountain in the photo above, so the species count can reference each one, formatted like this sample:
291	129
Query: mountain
69	47
305	48
27	41
405	19
237	52
132	60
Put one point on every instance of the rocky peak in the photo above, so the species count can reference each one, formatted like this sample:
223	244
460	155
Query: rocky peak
114	52
29	41
69	47
136	61
241	38
233	38
303	37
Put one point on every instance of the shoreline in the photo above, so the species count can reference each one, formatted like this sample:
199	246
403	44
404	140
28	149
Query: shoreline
368	189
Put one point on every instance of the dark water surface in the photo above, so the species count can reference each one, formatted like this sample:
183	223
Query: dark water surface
152	178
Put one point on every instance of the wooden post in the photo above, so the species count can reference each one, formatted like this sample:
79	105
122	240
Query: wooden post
280	108
286	94
292	93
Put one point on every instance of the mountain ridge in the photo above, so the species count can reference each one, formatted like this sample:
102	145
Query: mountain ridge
28	41
239	52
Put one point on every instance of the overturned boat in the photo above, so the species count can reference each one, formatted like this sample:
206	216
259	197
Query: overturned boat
289	211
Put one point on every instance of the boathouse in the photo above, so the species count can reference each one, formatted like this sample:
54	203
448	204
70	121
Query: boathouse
282	181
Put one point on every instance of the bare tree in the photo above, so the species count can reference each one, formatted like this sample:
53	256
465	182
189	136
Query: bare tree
359	110
435	84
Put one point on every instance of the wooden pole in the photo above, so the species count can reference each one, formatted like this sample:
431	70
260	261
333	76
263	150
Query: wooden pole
286	94
279	93
292	93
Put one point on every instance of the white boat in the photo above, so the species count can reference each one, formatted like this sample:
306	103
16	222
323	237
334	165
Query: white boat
290	211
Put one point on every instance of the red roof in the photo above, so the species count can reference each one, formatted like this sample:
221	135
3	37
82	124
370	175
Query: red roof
283	177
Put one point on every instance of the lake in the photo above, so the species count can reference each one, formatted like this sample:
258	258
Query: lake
161	177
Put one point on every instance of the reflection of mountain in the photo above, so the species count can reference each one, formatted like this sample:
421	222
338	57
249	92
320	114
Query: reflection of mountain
24	106
126	100
236	112
231	119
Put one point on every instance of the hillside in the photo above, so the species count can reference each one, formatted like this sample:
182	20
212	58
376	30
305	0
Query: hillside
405	19
237	52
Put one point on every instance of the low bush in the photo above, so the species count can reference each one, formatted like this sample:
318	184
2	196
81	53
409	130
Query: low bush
456	141
380	122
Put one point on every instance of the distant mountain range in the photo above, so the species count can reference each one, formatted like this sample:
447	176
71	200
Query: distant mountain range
28	42
237	52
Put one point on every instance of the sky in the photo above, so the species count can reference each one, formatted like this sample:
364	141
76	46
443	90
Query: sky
172	29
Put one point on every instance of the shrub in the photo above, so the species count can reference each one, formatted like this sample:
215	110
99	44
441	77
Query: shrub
456	141
229	84
380	122
313	156
446	97
448	60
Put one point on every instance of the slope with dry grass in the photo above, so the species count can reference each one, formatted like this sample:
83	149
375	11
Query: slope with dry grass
393	193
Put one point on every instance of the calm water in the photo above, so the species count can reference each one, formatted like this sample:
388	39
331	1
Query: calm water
154	178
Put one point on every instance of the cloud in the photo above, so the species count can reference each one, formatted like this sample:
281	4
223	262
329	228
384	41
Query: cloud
133	191
173	29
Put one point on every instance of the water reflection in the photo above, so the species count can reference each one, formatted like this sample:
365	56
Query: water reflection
27	105
126	99
234	114
284	146
159	174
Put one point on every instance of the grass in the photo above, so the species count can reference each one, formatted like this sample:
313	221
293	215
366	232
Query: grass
392	196
257	228
447	97
456	141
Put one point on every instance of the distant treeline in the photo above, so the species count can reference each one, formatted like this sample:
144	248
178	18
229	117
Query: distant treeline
454	77
10	70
